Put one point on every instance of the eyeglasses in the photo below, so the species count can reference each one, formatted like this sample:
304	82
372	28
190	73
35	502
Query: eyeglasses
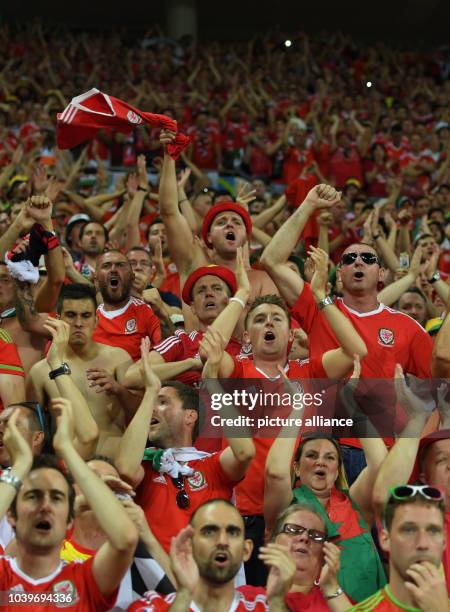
295	530
409	491
182	497
368	258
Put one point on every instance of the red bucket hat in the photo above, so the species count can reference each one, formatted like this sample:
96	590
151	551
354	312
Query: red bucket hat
220	208
220	271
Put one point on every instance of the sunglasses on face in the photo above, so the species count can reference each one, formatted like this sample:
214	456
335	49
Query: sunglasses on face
182	497
409	491
295	530
367	258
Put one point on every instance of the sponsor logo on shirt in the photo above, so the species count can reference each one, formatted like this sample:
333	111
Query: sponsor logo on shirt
197	480
133	118
130	326
385	336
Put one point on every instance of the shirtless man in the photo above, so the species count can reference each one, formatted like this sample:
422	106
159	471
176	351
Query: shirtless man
104	394
226	227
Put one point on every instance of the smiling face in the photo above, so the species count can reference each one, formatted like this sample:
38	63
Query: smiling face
210	295
227	233
267	329
42	511
218	543
306	552
359	278
318	466
114	277
416	535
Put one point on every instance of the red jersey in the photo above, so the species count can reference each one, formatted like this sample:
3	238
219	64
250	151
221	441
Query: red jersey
346	164
157	495
10	362
183	346
446	554
171	282
382	601
295	162
250	491
126	326
69	580
204	143
245	599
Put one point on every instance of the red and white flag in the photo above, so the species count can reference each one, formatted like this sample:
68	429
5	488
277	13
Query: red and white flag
94	110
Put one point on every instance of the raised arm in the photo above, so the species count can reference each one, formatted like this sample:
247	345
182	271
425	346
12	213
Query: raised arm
440	362
391	293
134	440
115	556
285	240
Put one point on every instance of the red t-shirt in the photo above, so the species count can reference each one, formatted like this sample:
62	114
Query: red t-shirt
69	579
204	143
313	601
246	599
171	283
183	346
250	491
345	165
10	362
157	495
391	337
125	327
295	161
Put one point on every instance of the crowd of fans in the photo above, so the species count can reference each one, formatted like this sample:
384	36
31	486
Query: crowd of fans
303	235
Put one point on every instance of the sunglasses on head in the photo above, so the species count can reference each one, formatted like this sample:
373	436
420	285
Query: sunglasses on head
368	258
409	491
182	497
295	530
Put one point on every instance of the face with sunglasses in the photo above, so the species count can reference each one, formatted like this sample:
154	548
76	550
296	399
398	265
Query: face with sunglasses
359	269
415	531
304	533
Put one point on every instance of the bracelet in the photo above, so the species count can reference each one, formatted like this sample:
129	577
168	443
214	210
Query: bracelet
238	300
327	301
12	480
142	189
337	593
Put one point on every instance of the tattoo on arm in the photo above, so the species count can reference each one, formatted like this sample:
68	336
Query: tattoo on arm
24	302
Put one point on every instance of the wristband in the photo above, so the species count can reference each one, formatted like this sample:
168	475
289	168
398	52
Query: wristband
142	189
337	593
239	301
436	276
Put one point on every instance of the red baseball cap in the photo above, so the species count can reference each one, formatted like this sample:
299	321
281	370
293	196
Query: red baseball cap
220	208
220	271
424	444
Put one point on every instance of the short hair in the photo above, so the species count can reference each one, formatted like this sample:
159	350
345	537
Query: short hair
211	502
76	291
341	482
270	298
190	400
422	236
415	290
155	221
32	418
83	227
300	507
103	458
138	248
47	461
392	504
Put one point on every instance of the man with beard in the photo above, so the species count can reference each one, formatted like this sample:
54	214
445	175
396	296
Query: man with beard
413	534
122	319
92	238
90	368
206	556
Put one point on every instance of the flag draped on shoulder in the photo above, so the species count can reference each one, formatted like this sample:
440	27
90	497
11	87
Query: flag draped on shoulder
94	110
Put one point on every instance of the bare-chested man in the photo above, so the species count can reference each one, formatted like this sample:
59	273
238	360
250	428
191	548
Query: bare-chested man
105	395
226	227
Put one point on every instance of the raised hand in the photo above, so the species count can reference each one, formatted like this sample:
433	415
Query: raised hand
184	177
320	277
60	332
151	381
323	196
282	569
184	567
39	208
245	195
65	427
39	179
328	576
16	445
102	381
166	137
142	172
243	284
212	346
132	184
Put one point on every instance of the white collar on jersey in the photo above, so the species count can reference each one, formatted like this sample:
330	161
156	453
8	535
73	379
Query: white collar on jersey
380	308
16	569
112	314
238	597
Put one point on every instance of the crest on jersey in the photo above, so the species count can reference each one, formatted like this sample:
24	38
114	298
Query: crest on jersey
246	349
197	480
130	326
133	118
66	587
386	336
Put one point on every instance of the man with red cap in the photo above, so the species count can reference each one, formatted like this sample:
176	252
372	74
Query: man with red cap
208	290
226	227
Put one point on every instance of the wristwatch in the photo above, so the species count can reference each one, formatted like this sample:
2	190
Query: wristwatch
10	479
337	593
63	369
436	276
327	301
